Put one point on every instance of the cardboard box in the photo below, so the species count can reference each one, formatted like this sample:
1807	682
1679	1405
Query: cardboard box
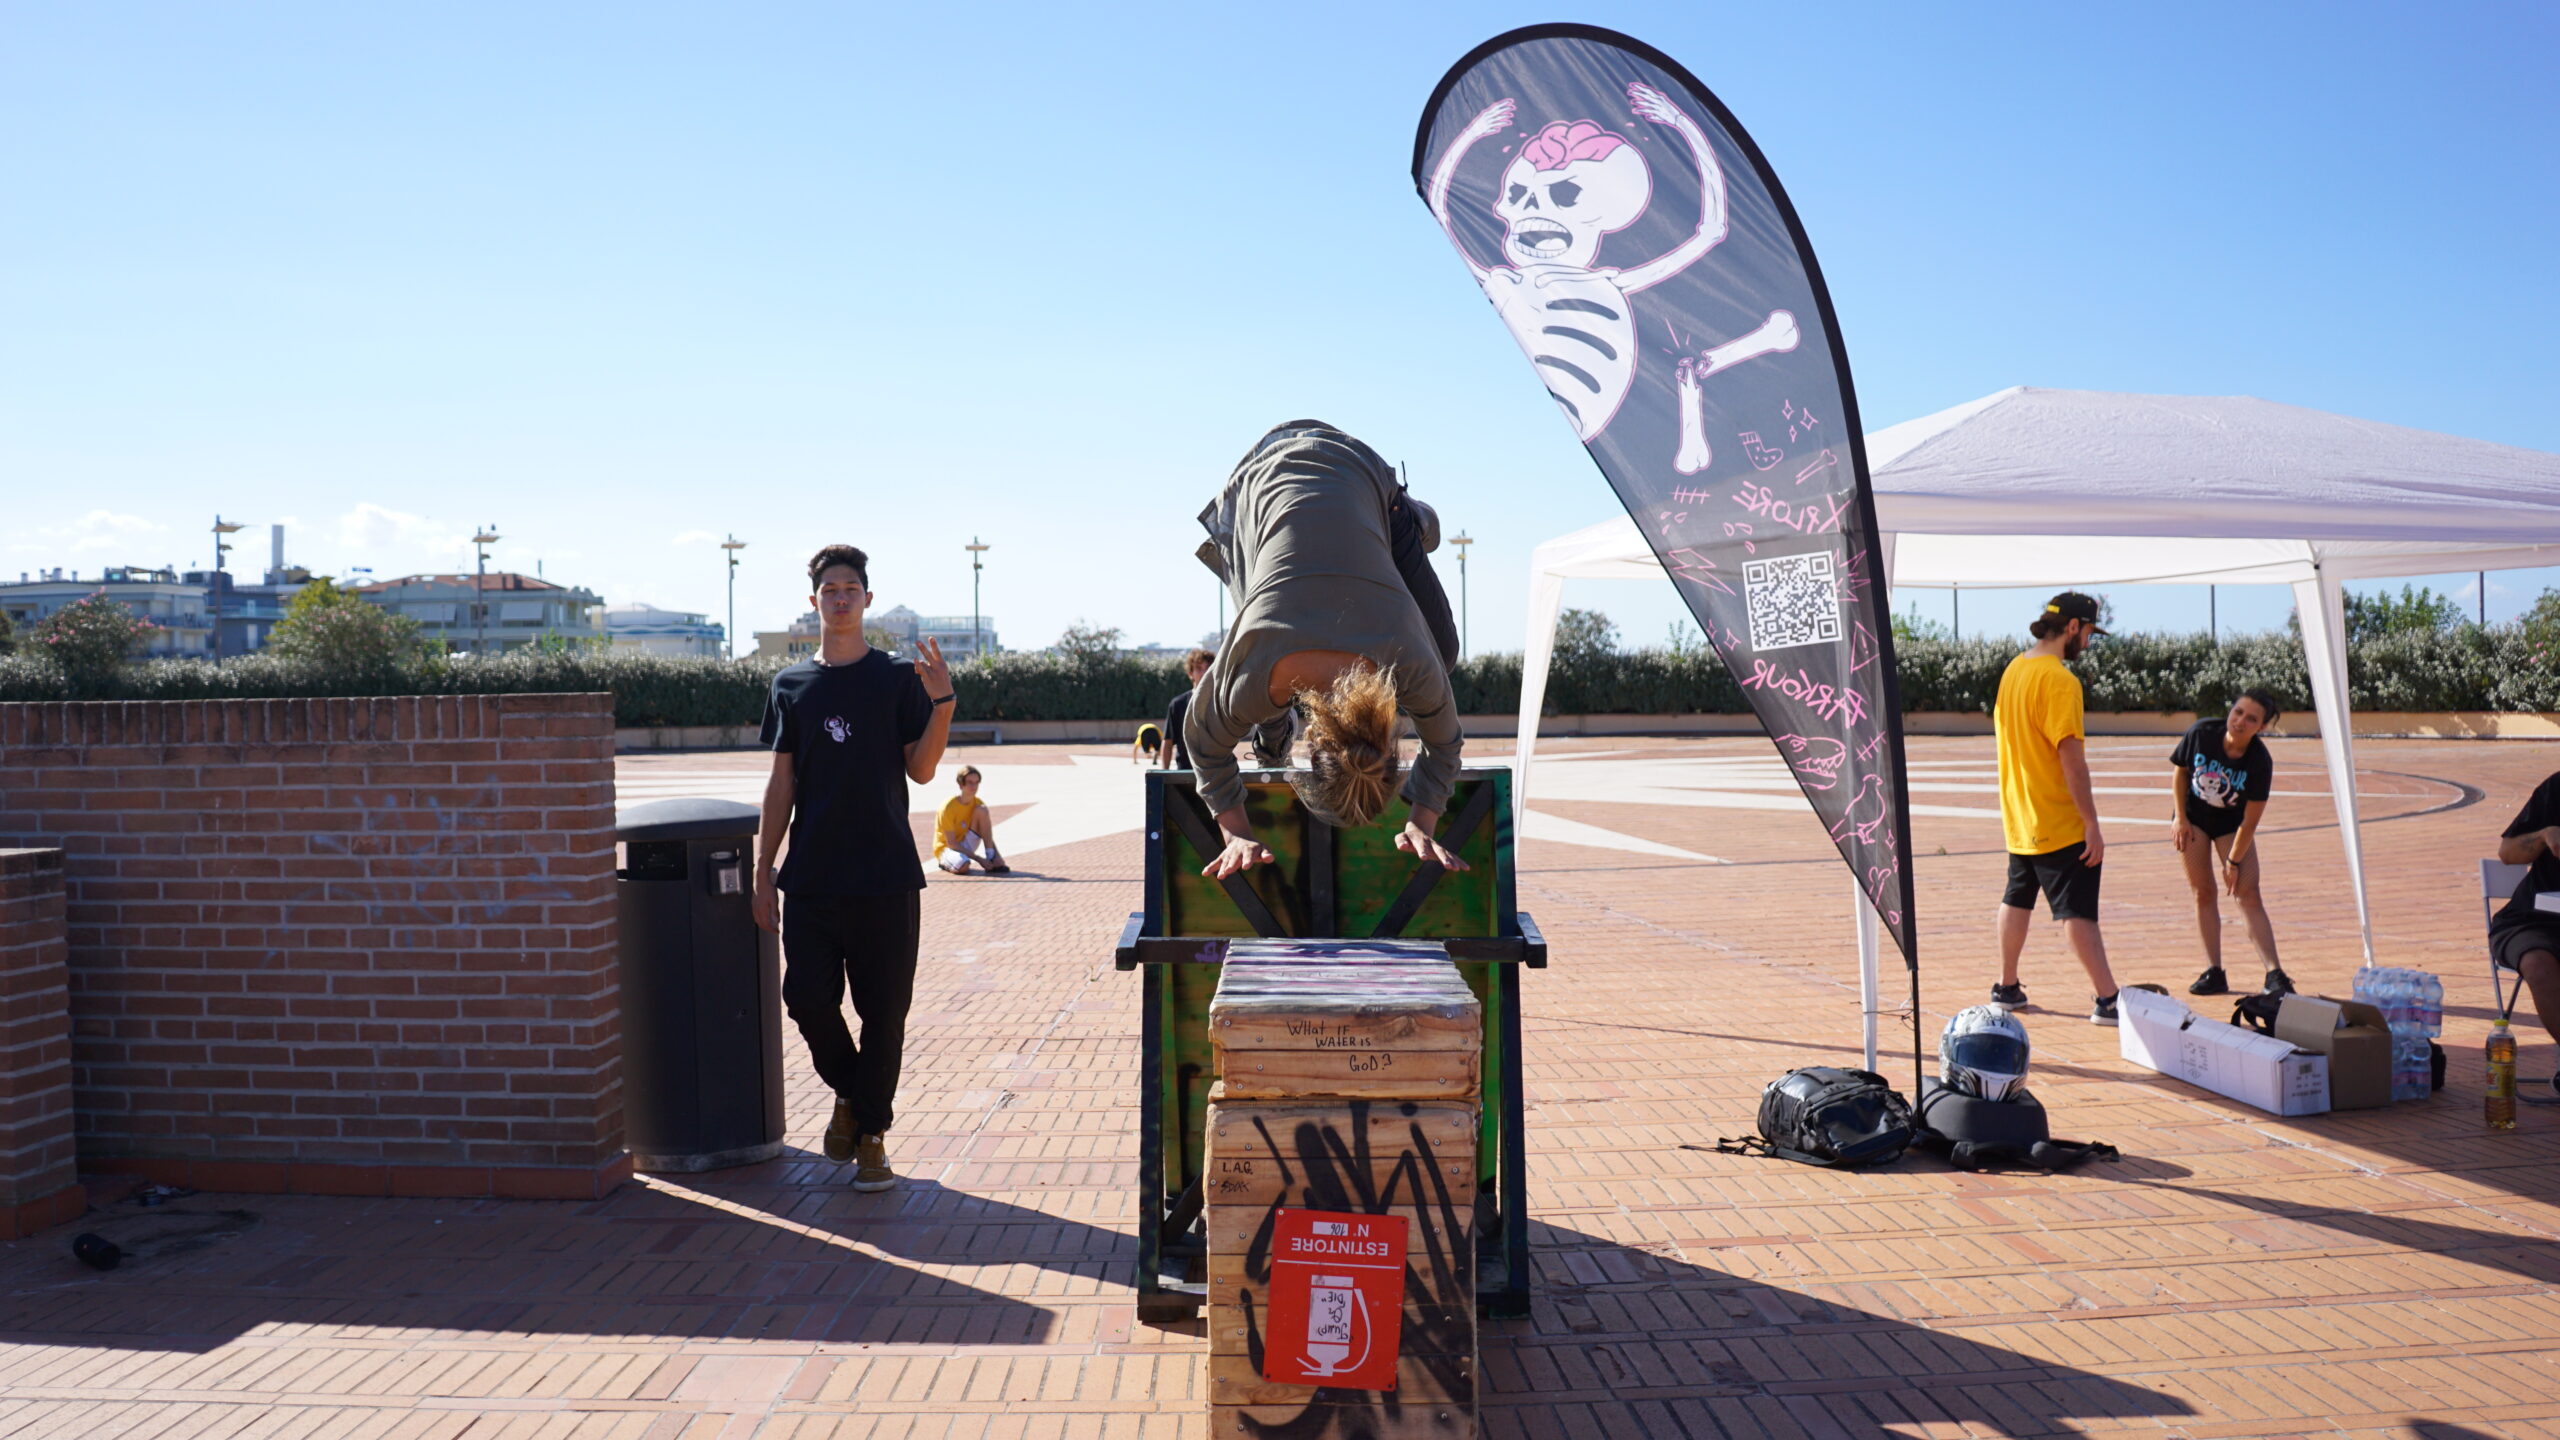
2353	1035
2254	1069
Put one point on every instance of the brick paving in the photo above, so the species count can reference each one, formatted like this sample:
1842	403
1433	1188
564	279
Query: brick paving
2381	1273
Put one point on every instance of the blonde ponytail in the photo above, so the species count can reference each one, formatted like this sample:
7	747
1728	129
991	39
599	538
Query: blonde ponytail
1351	748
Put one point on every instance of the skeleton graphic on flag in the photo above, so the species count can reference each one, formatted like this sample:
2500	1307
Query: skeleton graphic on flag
1570	187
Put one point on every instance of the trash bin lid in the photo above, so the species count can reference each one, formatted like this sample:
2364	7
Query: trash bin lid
688	819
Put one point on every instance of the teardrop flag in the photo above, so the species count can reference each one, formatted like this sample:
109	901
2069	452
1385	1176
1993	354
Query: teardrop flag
1635	243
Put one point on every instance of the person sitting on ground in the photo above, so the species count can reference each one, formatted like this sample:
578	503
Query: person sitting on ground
1175	757
964	834
2224	774
1149	745
2524	937
1337	611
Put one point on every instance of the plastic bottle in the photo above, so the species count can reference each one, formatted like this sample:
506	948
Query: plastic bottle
2501	1104
2433	991
2400	994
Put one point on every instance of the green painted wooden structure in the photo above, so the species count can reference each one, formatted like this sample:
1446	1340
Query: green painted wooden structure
1324	884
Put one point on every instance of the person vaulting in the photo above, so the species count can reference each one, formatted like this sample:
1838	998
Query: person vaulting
1338	612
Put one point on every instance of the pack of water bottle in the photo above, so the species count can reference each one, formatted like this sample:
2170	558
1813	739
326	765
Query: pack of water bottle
2412	1002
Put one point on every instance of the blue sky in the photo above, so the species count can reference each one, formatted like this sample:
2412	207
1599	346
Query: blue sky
621	279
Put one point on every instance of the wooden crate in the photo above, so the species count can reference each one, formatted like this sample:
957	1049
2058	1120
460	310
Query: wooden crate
1377	1075
1349	1080
1298	1019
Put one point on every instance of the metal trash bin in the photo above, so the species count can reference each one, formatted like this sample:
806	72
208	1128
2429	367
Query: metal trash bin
701	990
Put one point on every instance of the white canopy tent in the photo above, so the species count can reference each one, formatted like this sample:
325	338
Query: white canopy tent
2084	489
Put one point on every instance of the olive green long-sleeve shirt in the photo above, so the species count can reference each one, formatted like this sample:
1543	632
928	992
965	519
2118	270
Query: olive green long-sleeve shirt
1300	536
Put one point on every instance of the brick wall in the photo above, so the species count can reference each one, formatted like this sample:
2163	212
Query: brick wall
335	946
39	1184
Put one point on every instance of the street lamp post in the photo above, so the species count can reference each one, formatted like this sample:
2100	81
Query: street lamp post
733	545
221	527
1462	541
977	646
481	540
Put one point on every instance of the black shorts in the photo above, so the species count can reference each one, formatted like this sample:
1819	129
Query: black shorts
2220	823
2509	946
2069	887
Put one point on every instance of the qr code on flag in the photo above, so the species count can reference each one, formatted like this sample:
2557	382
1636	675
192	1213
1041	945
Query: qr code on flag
1793	600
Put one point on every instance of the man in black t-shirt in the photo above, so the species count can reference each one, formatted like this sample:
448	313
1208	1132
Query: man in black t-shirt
1175	755
2523	937
848	729
2225	774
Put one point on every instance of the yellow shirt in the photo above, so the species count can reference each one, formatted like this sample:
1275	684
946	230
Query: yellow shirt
2038	709
953	822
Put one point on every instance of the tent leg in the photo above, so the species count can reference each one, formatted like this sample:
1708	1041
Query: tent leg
1867	946
2321	603
1546	603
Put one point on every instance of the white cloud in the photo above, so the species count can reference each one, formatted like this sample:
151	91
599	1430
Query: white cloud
373	530
97	530
695	537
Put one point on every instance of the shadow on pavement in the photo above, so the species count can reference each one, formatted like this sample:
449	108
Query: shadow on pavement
1625	1331
754	1253
2290	1226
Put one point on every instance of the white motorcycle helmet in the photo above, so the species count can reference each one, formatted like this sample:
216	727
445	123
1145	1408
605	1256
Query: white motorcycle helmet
1983	1052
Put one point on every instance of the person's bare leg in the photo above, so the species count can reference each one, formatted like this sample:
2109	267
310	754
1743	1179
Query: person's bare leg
967	850
2013	940
983	825
2541	971
2091	952
2253	912
2198	858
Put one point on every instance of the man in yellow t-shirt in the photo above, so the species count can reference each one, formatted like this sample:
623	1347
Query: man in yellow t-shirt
2047	813
964	834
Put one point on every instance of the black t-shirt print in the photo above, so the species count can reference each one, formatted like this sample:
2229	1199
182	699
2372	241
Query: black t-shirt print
2220	788
847	728
2541	810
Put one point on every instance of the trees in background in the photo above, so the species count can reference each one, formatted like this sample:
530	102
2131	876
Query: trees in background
88	640
336	630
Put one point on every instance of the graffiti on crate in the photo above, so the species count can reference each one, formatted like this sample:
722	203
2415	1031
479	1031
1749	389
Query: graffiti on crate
1333	1167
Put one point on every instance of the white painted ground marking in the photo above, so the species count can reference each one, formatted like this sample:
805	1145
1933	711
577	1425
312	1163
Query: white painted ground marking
1539	825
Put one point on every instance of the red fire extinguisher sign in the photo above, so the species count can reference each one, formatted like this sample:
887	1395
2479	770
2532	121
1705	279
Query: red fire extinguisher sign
1336	1300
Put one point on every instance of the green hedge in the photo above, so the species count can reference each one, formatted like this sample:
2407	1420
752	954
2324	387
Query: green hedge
2461	668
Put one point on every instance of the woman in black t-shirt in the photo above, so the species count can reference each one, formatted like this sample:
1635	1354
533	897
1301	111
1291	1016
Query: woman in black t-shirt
2224	776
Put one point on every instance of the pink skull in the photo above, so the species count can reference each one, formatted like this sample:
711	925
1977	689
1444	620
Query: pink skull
1570	185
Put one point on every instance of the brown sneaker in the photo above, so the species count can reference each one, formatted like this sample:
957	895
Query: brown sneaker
871	1171
839	1141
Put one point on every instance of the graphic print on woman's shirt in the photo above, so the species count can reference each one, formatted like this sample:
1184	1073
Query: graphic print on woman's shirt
2217	784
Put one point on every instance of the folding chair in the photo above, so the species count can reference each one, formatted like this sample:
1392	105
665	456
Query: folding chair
2498	882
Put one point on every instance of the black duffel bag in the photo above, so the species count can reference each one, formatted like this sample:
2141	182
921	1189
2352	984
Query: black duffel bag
1828	1116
